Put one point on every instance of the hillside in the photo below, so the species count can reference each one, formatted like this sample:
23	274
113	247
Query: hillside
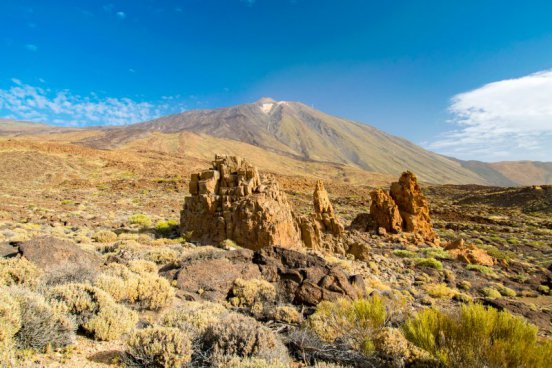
297	131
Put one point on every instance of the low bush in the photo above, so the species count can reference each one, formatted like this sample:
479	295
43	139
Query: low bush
253	295
159	347
428	262
10	319
94	310
68	274
478	337
166	228
286	314
491	293
481	269
41	325
145	290
355	322
140	219
141	266
440	291
237	335
105	236
437	253
403	253
505	291
18	271
194	317
237	362
163	255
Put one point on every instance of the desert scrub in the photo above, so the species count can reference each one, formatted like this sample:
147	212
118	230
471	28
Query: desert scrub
159	347
253	295
166	228
403	253
67	274
237	362
163	255
428	262
441	291
491	293
145	290
194	317
505	291
481	269
241	336
10	319
355	321
18	271
437	253
142	266
497	253
286	314
140	219
478	337
94	310
105	236
42	326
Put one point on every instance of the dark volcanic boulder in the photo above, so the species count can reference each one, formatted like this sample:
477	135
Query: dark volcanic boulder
211	277
50	253
306	279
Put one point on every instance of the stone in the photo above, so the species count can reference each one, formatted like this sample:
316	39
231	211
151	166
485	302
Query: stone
413	206
7	250
470	253
212	278
363	222
50	253
385	212
306	279
322	221
232	201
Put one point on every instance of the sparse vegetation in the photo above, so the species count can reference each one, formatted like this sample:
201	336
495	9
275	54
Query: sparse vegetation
105	236
159	347
403	253
428	262
139	219
18	271
485	270
478	337
194	317
254	295
166	228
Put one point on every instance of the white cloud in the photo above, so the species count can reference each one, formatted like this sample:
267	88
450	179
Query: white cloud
25	102
121	15
31	47
505	120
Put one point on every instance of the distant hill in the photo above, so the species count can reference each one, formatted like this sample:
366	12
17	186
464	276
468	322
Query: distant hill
295	130
282	134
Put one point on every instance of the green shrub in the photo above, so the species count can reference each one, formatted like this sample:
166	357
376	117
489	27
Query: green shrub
105	236
491	292
241	336
41	325
18	271
163	255
140	219
145	290
428	262
481	269
505	291
194	317
403	253
253	295
159	347
286	314
169	227
10	319
94	310
440	291
478	337
437	253
355	321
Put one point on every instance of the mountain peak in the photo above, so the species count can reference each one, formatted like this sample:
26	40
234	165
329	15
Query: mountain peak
266	100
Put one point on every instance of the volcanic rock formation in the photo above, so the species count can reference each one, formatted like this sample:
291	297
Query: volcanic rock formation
321	221
413	206
469	253
385	212
232	201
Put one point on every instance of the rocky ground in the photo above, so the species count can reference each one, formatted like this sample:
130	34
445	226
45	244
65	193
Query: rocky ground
122	217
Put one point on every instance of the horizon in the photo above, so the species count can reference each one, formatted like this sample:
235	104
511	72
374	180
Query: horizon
472	81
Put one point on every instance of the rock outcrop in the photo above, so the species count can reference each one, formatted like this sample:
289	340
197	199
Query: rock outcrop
413	206
232	201
385	212
306	279
299	278
469	253
321	221
50	253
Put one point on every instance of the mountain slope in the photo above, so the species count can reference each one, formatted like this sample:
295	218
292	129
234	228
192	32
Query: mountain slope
298	131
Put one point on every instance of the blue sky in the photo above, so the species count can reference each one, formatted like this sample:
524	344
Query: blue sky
464	78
